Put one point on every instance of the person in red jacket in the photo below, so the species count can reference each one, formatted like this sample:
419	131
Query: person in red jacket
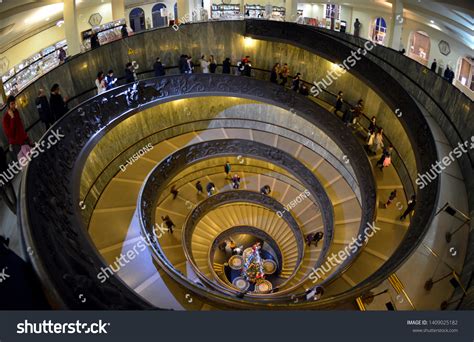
13	127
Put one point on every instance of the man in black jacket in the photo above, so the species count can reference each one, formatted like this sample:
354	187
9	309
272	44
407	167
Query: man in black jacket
129	73
44	111
434	66
94	41
158	68
226	66
183	64
410	207
210	189
295	85
124	31
57	103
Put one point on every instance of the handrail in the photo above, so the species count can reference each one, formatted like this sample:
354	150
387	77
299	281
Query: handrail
304	37
440	107
212	20
145	90
395	53
342	269
93	90
242	199
250	230
162	169
218	148
242	191
195	122
346	103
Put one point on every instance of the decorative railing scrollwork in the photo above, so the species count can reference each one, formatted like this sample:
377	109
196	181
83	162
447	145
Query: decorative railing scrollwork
65	258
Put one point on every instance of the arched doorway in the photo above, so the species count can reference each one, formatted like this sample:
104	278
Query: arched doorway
378	30
137	19
158	19
419	47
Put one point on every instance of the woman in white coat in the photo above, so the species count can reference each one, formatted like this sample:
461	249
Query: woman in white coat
204	65
376	141
100	83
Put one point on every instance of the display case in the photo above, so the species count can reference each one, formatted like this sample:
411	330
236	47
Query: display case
312	22
279	12
225	11
21	75
254	11
106	33
259	11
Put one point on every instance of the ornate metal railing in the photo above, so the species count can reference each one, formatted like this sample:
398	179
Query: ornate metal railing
95	187
237	196
157	182
51	220
243	197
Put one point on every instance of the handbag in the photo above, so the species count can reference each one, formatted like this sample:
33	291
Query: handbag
371	139
387	161
25	151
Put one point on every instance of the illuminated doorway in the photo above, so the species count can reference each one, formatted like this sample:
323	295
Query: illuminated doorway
419	47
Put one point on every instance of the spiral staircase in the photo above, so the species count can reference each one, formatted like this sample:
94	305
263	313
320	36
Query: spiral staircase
114	207
314	186
102	231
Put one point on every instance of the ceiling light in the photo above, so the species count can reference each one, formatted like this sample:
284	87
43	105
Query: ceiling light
432	21
44	13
